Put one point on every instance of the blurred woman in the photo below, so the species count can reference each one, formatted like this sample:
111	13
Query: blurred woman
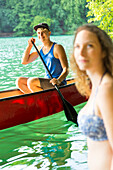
92	63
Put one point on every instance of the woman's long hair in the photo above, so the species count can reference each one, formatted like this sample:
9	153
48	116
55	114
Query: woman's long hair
82	80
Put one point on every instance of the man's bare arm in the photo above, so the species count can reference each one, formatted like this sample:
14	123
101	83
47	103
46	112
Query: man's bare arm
27	57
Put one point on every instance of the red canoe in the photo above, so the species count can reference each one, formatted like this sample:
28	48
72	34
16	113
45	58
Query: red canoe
17	108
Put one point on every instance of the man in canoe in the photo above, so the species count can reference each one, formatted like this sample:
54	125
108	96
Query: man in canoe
54	57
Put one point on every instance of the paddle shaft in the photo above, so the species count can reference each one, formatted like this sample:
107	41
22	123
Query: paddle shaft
65	103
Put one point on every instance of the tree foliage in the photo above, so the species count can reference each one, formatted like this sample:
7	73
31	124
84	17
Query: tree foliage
63	16
101	13
20	16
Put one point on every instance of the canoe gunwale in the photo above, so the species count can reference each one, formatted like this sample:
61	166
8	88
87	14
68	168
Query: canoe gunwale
31	94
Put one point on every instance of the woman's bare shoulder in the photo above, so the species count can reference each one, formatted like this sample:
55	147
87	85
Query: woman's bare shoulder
106	88
105	95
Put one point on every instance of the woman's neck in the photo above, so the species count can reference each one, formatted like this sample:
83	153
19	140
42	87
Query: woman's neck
96	76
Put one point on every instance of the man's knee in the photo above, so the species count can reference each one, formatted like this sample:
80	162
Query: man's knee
19	81
32	82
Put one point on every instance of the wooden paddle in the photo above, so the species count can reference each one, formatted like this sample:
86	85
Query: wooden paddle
70	112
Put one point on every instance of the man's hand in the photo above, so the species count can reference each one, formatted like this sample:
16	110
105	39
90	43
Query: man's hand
55	81
30	41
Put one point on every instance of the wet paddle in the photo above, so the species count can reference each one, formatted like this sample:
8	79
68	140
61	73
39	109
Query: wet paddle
70	112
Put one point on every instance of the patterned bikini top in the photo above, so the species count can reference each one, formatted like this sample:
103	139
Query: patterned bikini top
92	125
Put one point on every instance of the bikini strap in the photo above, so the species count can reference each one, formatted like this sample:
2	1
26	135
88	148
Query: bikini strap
97	91
102	77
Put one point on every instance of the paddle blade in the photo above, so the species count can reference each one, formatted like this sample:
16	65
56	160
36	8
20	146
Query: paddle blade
70	112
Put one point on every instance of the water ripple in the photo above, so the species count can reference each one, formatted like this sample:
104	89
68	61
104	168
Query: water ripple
10	59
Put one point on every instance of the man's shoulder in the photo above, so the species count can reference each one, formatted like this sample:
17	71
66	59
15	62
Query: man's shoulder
59	50
58	46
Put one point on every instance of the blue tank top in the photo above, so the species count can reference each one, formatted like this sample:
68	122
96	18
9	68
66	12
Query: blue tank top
52	63
92	125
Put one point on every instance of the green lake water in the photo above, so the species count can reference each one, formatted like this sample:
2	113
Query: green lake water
50	143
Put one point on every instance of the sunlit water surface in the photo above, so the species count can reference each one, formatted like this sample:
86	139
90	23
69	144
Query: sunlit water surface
50	143
11	51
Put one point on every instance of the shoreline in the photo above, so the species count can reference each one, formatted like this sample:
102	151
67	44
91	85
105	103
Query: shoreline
6	34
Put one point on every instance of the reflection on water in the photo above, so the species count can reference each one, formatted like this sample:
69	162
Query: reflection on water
47	143
11	52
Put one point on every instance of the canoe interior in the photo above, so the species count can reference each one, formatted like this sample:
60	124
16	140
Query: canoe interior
17	92
23	108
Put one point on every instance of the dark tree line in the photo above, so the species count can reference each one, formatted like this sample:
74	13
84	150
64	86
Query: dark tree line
63	16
